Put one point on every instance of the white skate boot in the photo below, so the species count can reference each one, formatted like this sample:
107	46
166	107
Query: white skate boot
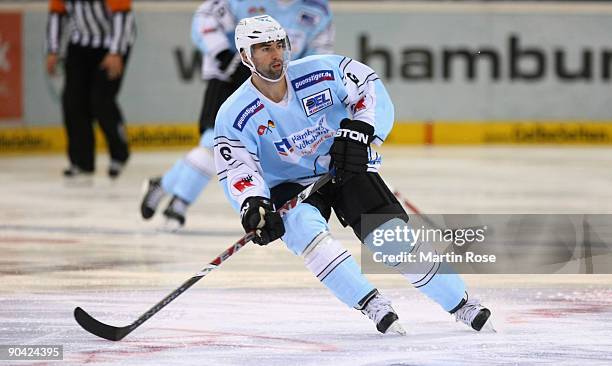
379	310
153	195
175	214
474	315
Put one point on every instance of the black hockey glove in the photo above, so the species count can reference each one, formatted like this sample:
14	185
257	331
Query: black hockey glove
349	152
240	74
258	214
225	58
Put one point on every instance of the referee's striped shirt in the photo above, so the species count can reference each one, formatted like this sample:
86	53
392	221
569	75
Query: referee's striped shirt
107	24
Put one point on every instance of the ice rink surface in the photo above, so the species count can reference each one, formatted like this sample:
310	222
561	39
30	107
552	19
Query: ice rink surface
66	244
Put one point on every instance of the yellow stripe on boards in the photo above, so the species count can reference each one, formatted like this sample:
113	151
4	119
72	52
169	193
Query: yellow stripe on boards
170	136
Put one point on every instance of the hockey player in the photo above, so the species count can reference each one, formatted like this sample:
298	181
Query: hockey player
292	122
310	29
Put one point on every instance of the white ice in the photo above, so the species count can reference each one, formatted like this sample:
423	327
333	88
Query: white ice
66	245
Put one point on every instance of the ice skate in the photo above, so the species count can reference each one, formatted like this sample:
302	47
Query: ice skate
77	177
475	315
153	195
115	168
379	310
175	214
74	171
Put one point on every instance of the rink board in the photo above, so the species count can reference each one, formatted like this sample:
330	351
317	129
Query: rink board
171	136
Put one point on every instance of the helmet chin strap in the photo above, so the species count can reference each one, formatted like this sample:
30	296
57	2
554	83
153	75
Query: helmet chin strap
252	67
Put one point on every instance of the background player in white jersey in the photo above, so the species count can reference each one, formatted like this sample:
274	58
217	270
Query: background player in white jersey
293	121
309	25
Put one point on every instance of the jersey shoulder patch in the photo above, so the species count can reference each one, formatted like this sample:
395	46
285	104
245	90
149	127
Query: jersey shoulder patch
241	106
246	113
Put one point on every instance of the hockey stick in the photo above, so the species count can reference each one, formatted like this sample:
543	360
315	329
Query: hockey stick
113	333
411	207
423	216
415	210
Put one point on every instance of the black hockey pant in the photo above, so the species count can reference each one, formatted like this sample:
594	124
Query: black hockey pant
362	194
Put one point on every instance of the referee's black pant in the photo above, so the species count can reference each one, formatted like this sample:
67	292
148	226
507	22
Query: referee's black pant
90	95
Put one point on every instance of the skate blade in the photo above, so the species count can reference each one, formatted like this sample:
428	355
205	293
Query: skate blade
488	327
170	226
144	187
396	328
85	180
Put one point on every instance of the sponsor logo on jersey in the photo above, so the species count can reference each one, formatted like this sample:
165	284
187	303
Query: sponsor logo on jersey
283	147
266	129
242	183
312	79
304	142
246	113
317	102
360	105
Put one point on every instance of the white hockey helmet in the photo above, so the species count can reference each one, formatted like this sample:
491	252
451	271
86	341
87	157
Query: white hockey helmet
260	29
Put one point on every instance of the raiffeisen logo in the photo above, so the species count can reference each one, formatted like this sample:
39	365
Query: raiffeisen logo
246	113
312	79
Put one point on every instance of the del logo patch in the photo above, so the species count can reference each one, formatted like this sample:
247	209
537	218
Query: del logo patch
317	102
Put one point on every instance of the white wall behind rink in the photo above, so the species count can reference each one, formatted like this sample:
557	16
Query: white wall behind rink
466	61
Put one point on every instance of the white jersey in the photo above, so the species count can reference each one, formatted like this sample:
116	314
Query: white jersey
260	144
308	24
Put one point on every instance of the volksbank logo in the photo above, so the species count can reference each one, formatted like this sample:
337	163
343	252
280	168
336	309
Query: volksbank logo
304	142
246	113
312	79
283	147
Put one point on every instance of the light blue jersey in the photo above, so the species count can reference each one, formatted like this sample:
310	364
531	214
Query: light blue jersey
308	24
260	144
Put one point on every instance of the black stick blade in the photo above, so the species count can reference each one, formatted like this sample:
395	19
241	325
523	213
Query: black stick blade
95	327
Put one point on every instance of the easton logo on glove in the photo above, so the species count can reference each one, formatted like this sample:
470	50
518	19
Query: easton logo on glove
349	152
353	135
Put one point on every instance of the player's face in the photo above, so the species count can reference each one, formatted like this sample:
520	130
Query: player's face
268	58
